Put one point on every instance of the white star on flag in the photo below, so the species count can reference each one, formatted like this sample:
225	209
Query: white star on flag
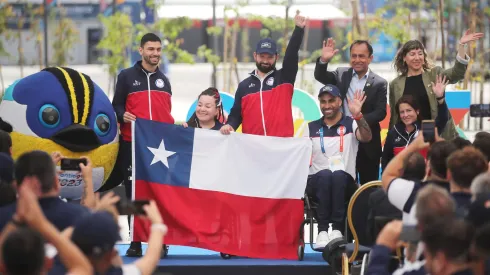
160	154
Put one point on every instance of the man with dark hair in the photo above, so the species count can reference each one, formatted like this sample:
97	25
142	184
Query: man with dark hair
482	143
436	168
462	167
350	79
461	142
5	143
433	203
24	243
263	100
447	245
39	164
23	249
142	91
96	236
7	190
414	168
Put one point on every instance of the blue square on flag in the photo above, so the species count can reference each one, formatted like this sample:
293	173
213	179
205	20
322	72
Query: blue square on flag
165	152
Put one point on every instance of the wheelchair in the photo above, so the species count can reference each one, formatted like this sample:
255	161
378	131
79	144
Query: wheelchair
332	253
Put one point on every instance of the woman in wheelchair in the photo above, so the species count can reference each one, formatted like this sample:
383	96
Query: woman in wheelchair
407	129
335	140
209	112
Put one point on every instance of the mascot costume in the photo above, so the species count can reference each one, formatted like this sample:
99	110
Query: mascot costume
62	110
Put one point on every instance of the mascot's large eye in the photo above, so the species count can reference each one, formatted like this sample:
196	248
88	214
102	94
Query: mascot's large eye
49	116
102	125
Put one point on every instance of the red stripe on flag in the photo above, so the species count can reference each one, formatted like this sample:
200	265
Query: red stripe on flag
237	225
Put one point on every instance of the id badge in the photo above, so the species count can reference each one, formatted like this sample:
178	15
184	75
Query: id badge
336	163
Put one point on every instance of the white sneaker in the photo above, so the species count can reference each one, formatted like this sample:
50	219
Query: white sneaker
322	240
335	234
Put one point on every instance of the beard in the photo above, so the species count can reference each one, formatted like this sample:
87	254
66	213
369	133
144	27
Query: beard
265	67
149	61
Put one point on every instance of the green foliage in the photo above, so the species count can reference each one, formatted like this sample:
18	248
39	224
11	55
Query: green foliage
487	11
171	29
66	35
5	14
204	52
396	27
117	39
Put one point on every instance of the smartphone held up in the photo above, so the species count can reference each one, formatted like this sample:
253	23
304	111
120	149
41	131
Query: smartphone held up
68	164
429	130
132	207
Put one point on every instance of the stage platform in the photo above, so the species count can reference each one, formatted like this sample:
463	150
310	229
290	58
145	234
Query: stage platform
188	260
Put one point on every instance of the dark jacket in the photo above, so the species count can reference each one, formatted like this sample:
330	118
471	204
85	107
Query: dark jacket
143	94
264	107
398	139
374	108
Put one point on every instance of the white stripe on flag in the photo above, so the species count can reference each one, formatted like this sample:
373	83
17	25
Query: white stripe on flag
250	165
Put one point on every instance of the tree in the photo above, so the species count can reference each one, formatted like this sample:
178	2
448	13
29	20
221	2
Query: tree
37	33
118	38
5	14
66	35
170	29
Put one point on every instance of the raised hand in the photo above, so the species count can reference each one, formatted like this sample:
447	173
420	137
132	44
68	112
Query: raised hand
468	36
355	103
440	86
328	50
299	20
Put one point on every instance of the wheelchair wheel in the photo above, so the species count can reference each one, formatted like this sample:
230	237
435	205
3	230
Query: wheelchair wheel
301	250
332	254
225	256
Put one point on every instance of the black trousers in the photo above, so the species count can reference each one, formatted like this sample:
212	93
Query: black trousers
328	188
367	167
126	162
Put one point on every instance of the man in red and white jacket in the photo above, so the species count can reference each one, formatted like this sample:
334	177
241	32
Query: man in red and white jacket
263	100
142	91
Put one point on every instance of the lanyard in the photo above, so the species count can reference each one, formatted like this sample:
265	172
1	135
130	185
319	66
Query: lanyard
322	145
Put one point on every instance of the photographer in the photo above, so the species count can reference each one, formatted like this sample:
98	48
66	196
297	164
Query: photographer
39	165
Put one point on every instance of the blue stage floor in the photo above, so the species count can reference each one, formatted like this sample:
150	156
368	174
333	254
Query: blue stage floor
186	260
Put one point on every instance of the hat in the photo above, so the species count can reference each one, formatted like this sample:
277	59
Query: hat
331	89
6	168
266	45
479	211
96	233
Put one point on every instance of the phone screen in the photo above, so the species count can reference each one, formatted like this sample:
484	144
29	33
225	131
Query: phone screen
132	207
429	130
480	110
72	164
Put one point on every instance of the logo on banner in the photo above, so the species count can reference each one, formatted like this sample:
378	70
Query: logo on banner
70	179
341	130
159	83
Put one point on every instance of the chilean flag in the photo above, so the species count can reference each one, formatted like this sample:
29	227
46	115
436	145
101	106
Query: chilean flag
237	194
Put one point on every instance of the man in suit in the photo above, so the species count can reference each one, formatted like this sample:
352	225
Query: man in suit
350	79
